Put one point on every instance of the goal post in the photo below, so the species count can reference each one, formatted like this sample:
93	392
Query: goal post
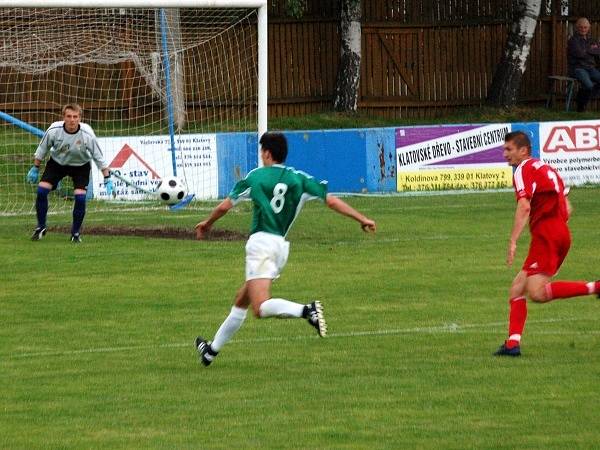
156	79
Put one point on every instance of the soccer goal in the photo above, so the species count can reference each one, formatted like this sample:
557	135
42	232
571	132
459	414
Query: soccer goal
156	80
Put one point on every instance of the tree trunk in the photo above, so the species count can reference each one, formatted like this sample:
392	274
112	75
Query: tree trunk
509	72
348	76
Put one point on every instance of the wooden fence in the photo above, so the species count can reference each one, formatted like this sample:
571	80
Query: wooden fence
407	70
419	59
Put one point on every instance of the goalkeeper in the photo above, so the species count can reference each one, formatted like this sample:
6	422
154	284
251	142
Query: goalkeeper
71	145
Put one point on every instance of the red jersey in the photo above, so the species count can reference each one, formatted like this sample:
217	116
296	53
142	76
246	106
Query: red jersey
544	188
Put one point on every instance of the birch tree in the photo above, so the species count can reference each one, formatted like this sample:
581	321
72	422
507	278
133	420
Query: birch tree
348	76
509	72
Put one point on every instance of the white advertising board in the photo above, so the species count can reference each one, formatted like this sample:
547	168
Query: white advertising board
573	148
144	160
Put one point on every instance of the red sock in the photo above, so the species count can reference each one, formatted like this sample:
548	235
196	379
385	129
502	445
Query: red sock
568	289
516	321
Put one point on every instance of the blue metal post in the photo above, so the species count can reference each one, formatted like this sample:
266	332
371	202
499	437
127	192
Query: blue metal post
167	65
25	126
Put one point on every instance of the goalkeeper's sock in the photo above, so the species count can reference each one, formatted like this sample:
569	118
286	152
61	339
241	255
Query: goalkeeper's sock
228	328
568	289
41	206
78	213
516	321
281	308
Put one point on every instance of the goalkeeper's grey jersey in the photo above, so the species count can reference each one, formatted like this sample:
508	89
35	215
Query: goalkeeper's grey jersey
278	193
71	149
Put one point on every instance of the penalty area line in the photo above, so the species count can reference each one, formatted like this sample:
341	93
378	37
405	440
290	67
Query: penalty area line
445	328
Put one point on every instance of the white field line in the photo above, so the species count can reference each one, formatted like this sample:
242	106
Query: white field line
446	328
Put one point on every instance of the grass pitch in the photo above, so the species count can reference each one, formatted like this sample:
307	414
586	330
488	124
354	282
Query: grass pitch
96	340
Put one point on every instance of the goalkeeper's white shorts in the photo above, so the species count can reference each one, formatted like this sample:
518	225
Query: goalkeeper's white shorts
266	255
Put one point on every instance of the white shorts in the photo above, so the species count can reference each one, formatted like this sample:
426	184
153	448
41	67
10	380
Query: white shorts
266	255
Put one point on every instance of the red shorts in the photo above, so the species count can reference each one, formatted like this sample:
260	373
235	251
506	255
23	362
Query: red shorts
550	243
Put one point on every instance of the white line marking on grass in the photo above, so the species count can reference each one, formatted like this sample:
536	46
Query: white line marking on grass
446	328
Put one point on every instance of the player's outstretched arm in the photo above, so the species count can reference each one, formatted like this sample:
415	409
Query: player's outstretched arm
220	210
340	206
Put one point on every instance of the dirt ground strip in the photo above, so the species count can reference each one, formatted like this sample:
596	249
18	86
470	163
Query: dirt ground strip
156	232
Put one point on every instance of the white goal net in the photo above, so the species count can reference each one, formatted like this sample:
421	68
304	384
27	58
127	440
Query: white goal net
155	84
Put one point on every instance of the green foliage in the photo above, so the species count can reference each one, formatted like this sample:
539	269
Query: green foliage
296	8
96	339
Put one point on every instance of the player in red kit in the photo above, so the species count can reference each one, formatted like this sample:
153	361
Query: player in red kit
541	201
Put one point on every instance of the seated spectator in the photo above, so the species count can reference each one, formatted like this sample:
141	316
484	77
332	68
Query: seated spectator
582	51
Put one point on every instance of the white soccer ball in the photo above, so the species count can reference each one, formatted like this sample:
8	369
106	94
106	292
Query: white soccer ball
171	190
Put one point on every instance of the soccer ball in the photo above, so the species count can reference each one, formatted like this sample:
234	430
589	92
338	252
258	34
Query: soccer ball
171	190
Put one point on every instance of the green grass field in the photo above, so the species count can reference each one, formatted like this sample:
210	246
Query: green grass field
96	340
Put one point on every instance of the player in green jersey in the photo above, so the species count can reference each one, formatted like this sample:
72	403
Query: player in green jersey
278	193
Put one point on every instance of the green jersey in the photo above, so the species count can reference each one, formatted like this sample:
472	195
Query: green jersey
278	193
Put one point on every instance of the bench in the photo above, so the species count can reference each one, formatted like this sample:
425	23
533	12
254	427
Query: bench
560	85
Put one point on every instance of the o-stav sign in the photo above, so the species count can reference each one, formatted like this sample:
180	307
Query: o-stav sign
573	148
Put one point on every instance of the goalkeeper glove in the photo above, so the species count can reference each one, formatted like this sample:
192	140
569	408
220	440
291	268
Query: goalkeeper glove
108	184
33	175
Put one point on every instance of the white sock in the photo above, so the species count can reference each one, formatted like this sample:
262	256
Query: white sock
229	327
591	287
281	308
